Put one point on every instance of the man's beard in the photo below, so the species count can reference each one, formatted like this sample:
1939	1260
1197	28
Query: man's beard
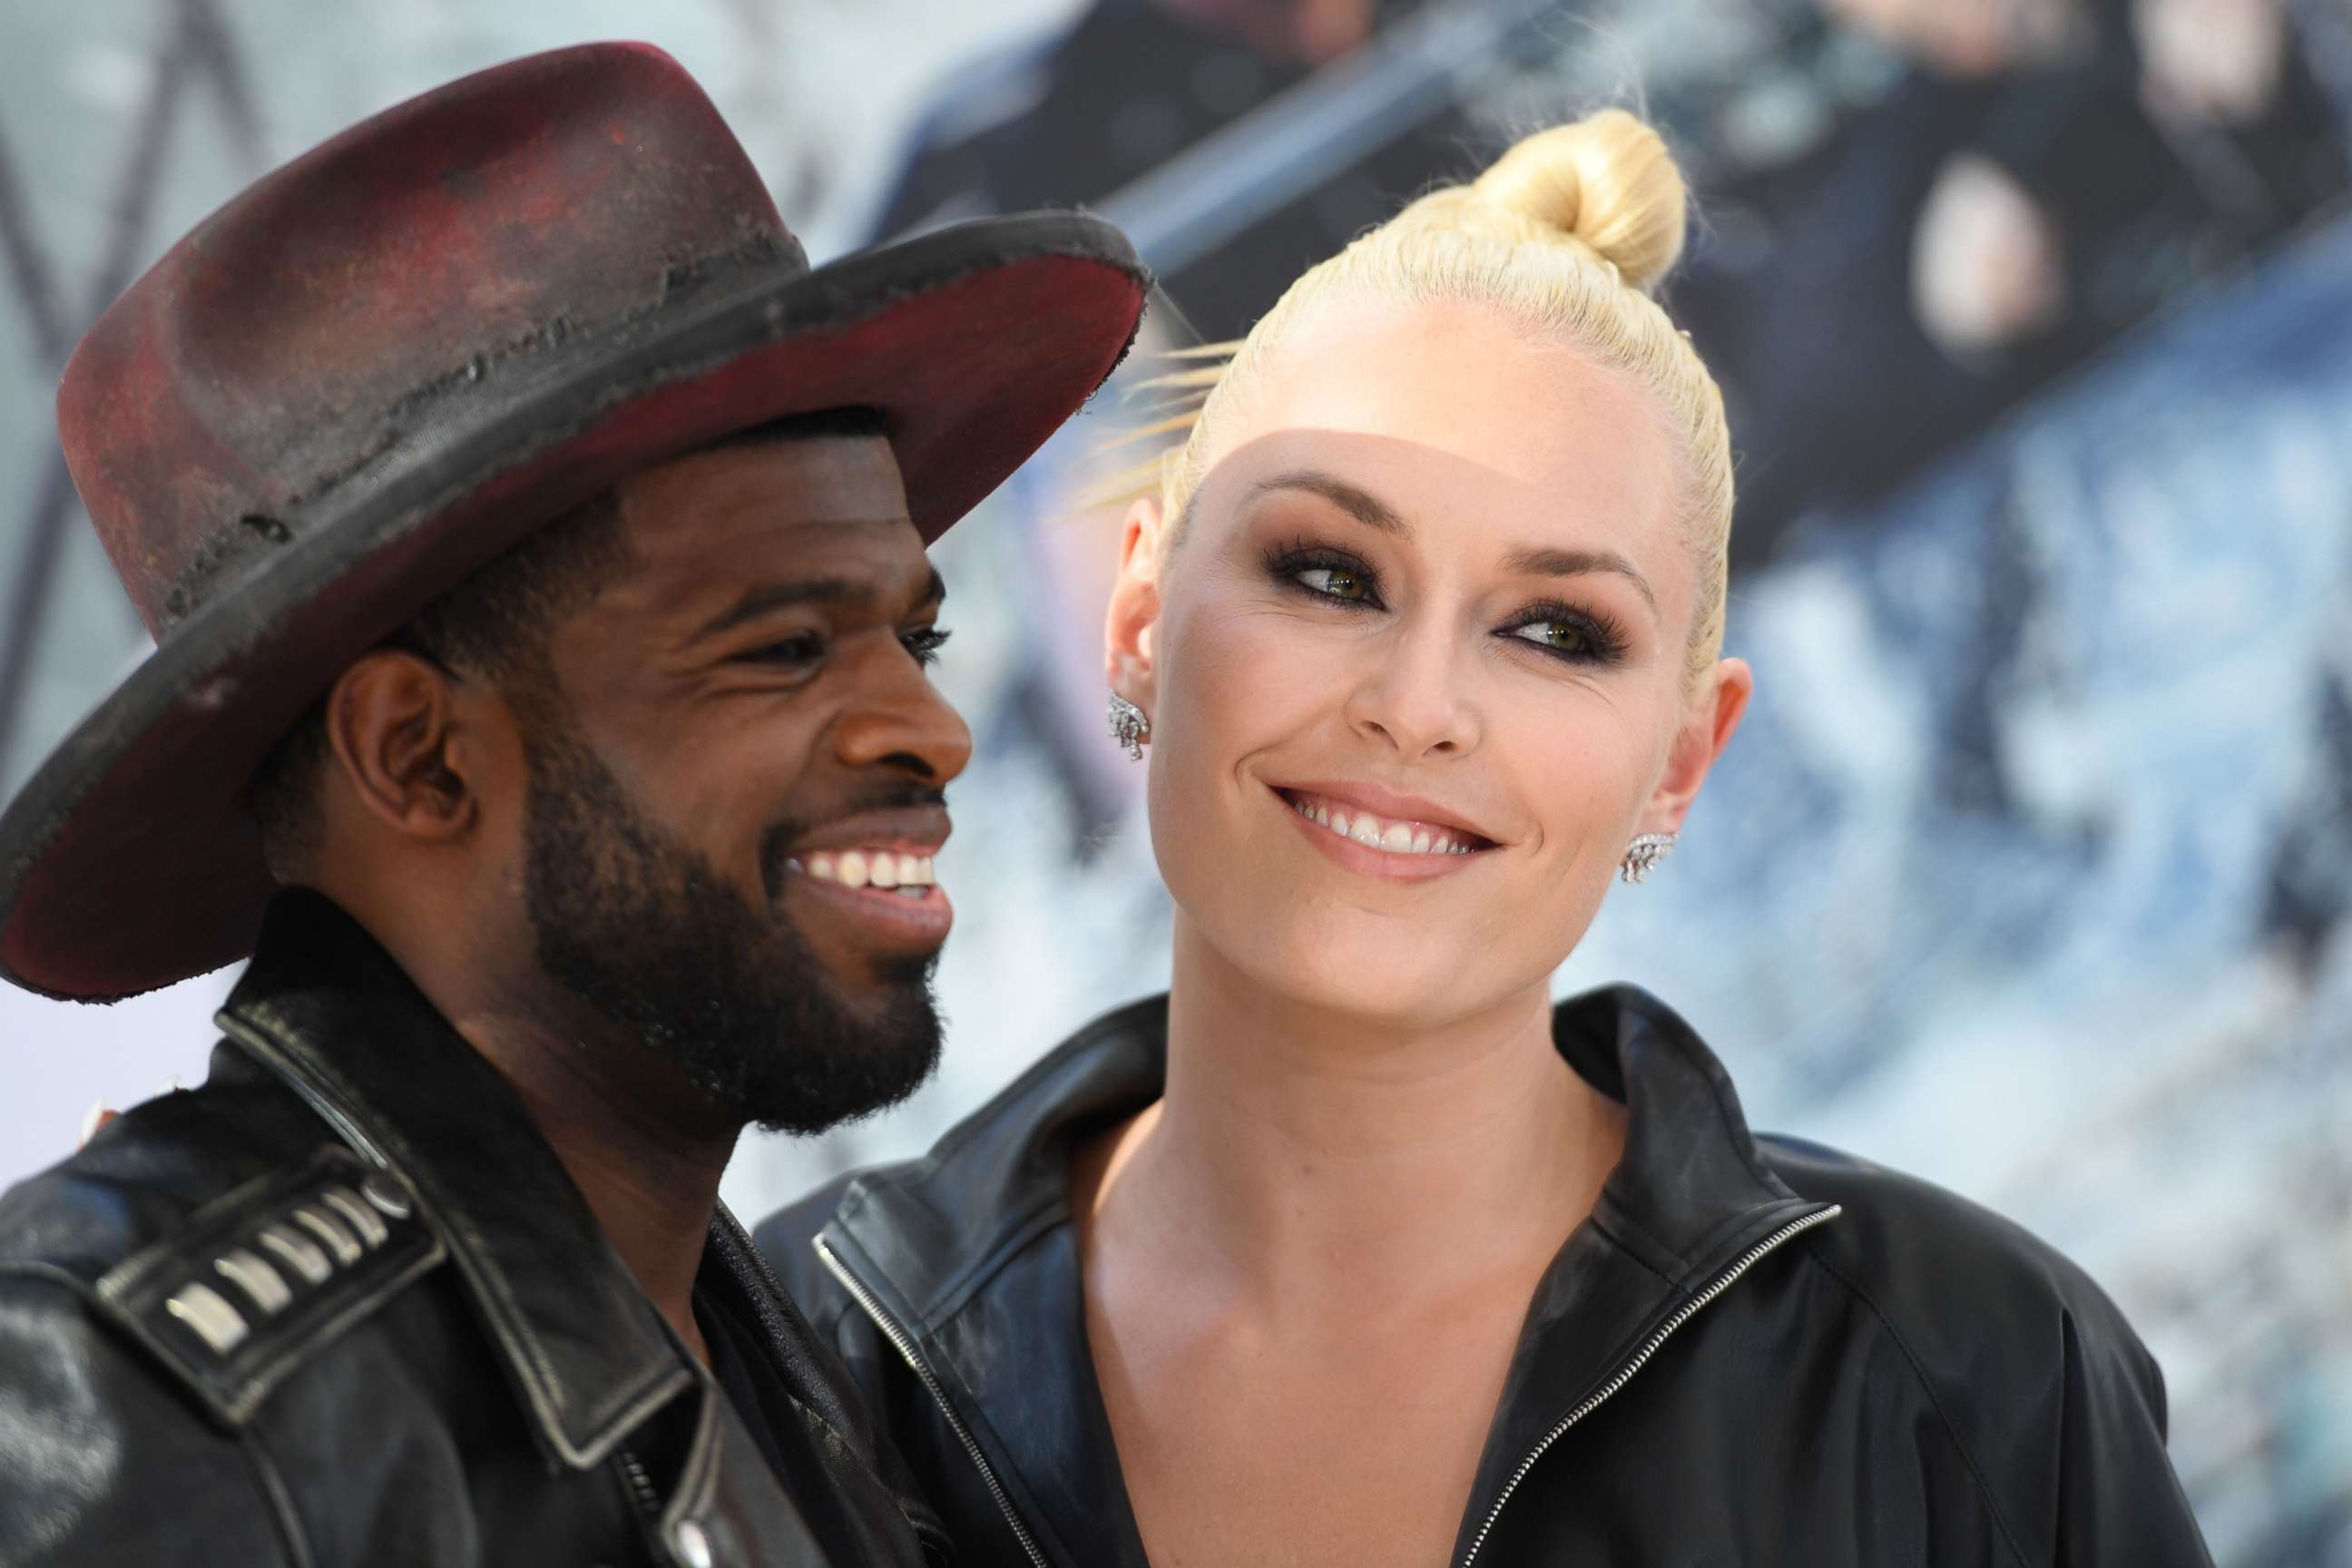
648	934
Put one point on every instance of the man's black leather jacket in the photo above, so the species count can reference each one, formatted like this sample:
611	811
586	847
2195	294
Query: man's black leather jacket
342	1305
1756	1351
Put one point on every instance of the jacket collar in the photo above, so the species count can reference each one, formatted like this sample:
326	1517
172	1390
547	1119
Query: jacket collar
1690	1196
325	1008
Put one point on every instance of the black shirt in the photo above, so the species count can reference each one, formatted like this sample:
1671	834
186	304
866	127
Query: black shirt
739	1365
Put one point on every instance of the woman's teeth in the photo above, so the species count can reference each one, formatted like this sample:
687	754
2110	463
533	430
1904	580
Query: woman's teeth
1378	832
909	875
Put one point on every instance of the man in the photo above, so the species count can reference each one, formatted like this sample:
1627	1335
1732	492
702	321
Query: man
535	547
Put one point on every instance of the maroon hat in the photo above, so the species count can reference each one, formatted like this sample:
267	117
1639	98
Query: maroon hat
385	364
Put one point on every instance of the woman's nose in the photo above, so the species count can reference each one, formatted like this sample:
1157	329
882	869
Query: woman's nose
1414	697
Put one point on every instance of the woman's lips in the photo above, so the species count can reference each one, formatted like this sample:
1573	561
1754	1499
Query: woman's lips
1396	834
1398	849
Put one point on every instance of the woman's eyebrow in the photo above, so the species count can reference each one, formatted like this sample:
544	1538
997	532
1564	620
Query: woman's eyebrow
1361	505
1541	561
1527	560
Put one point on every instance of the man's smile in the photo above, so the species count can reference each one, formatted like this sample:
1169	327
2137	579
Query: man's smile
878	869
886	894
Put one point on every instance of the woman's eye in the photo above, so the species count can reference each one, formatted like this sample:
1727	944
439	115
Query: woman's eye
1336	582
1558	636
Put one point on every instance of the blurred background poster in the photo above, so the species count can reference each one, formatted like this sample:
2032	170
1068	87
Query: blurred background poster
2029	871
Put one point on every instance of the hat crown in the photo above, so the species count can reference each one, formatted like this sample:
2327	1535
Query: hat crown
340	305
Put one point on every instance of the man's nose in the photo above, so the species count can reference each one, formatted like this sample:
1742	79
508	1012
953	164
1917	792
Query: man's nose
899	719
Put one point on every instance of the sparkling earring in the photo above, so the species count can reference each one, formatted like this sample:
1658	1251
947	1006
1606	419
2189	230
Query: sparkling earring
1644	854
1128	727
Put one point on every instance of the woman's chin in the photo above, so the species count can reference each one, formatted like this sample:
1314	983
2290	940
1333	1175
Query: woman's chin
1421	985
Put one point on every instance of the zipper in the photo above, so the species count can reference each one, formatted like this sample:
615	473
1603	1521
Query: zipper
1625	1375
904	1344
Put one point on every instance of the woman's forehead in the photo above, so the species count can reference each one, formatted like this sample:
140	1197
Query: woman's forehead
1454	411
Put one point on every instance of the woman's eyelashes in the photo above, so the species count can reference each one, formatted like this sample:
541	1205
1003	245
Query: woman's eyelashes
1325	573
1567	632
1551	626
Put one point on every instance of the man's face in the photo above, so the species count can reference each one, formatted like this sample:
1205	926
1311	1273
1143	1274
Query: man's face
744	730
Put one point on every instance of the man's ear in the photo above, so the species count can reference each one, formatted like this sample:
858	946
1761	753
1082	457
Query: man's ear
404	756
1706	729
1134	618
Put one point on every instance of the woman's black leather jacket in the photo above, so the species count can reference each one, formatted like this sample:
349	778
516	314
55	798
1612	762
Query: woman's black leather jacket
1756	1351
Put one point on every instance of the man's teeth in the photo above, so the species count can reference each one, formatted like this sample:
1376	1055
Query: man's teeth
909	875
1396	838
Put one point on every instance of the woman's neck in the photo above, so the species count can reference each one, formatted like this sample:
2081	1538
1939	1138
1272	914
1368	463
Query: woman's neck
1299	1153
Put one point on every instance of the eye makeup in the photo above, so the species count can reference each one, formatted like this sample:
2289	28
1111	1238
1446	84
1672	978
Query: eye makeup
1342	578
1571	634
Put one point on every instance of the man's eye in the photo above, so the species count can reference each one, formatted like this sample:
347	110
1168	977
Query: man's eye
925	644
805	648
1336	582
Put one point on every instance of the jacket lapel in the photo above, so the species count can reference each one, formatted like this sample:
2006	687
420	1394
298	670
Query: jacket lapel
1690	1196
971	1250
326	1009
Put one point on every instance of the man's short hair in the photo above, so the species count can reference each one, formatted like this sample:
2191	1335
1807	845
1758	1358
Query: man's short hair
494	624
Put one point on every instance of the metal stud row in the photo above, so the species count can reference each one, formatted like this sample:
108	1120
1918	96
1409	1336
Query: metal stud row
311	1241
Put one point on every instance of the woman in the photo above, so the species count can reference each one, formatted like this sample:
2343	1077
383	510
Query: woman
1353	1250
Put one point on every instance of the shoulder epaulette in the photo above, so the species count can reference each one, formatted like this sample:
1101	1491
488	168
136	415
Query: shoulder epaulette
263	1277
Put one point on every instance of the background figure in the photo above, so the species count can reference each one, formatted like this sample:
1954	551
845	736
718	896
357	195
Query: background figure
2036	320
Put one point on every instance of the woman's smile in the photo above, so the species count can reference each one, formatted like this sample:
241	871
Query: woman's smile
1338	822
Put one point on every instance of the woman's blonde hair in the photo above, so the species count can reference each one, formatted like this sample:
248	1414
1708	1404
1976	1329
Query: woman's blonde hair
1566	234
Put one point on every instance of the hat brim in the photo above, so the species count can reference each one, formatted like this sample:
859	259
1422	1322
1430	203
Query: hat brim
129	861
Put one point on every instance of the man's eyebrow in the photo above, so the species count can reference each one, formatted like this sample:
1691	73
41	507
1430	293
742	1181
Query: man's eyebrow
1361	505
1537	561
764	598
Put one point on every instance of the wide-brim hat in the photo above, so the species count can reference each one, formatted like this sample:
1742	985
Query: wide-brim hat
385	363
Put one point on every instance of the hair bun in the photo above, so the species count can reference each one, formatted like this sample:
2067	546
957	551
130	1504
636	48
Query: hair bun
1606	181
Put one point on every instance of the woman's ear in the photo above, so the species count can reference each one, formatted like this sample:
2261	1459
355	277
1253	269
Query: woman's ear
1706	729
1129	630
394	733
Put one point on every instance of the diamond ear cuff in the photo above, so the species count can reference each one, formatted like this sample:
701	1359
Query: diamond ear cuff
1128	726
1644	854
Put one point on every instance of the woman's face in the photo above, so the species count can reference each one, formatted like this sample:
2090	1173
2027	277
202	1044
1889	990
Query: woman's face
1417	671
